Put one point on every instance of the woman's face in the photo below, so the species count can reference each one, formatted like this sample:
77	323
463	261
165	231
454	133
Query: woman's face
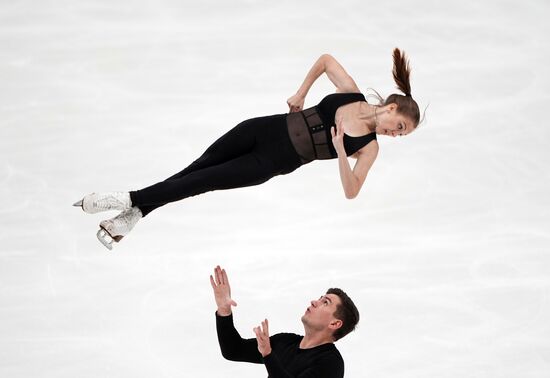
392	123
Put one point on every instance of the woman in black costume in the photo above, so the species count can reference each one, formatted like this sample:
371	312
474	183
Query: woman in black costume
343	124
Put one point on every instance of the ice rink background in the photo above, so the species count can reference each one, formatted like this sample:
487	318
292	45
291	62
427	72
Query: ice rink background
445	251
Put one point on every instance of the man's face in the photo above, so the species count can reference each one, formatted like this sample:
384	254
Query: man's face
320	314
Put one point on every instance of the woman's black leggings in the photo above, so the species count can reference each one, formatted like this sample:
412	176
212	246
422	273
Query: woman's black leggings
249	154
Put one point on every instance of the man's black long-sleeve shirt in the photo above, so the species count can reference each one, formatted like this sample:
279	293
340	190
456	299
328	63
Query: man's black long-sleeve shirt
286	359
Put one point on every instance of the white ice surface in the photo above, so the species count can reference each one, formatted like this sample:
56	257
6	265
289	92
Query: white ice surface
445	251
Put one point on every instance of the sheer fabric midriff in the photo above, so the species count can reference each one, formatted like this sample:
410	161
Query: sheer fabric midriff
309	136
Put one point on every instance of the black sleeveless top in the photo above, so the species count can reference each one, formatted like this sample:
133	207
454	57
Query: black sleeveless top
309	130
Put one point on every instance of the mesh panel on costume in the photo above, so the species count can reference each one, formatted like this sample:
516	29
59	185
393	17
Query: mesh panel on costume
309	136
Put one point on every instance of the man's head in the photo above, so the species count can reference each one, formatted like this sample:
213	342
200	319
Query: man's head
334	313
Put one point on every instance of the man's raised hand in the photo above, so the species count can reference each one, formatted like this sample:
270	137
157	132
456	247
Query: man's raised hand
262	337
222	291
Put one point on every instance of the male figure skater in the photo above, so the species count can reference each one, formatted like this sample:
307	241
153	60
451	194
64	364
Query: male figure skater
313	355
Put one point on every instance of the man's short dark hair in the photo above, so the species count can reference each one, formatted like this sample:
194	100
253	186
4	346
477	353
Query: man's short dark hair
346	312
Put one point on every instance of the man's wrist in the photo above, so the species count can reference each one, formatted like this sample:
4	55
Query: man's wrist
224	311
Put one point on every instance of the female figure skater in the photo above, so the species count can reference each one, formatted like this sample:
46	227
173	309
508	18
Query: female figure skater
343	124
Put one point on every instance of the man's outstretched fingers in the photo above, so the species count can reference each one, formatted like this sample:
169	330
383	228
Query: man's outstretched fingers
218	275
224	277
212	282
266	330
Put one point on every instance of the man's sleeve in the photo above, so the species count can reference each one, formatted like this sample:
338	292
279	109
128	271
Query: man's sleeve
232	345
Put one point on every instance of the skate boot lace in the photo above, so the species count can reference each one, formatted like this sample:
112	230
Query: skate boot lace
109	201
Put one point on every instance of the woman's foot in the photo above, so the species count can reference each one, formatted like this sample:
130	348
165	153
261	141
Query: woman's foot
114	229
97	202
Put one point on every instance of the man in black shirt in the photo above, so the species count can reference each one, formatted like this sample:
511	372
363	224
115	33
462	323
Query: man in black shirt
287	355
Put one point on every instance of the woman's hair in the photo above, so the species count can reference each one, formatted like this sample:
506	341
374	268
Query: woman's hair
401	73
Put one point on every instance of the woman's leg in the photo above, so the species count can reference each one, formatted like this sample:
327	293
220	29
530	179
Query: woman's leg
249	169
246	170
237	142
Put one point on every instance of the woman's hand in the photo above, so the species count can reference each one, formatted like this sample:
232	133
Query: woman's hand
295	103
222	291
262	337
338	138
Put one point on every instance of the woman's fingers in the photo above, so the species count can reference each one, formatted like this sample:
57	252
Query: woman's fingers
295	103
339	128
290	104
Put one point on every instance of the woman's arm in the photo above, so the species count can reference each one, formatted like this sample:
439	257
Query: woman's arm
335	72
353	179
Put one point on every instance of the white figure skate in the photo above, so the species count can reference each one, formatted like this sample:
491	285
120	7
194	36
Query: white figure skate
114	229
97	202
